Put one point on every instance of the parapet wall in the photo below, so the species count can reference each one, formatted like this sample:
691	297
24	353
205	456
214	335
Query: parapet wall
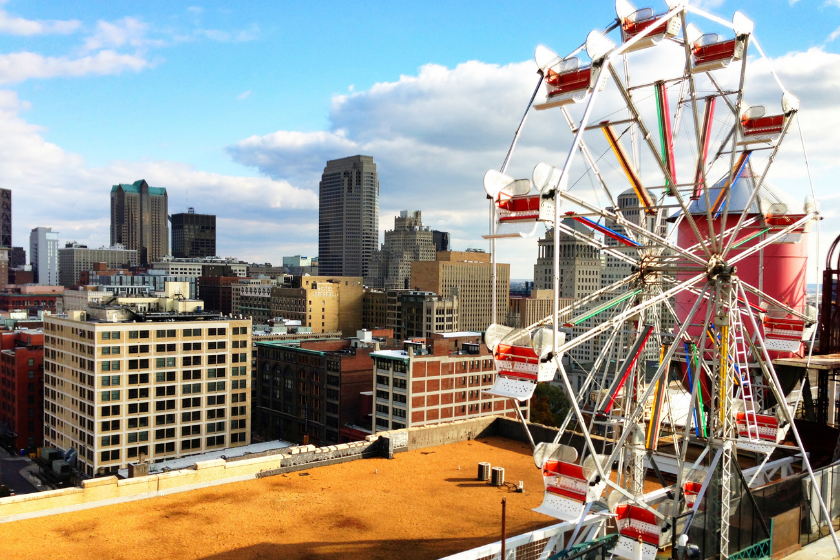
111	490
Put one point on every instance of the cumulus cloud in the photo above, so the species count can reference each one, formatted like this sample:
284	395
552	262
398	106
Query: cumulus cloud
435	133
19	26
17	67
52	187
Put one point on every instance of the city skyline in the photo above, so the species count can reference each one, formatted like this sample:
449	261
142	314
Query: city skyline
213	148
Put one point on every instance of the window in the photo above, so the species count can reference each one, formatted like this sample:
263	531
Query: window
164	419
165	433
194	416
142	393
194	430
138	408
166	391
190	388
216	386
214	427
213	441
111	440
165	447
113	455
215	400
217	413
238	424
141	422
191	402
383	380
165	405
164	376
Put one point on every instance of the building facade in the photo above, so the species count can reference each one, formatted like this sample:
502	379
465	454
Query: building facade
206	266
311	388
439	380
326	304
251	299
122	392
17	257
43	254
140	219
73	259
348	217
193	235
466	275
22	389
409	241
5	218
441	240
216	292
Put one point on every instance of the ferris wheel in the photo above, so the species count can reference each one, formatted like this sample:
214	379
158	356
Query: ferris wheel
710	272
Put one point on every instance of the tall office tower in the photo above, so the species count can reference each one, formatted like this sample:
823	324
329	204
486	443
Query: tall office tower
5	218
409	241
43	255
348	218
193	235
139	219
441	240
466	275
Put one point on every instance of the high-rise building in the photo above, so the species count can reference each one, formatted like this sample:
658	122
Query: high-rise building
467	275
139	219
348	218
145	379
43	255
73	259
409	241
441	240
442	379
193	235
5	218
326	304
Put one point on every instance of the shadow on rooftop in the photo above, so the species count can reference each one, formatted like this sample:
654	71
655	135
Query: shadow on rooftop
410	549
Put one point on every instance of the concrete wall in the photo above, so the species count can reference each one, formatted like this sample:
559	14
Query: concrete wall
110	490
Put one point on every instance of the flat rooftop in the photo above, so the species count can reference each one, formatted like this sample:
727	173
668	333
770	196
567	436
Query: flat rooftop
417	506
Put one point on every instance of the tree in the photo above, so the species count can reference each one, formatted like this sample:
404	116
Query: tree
556	400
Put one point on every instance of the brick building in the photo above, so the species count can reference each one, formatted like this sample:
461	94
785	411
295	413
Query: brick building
31	298
216	292
327	304
311	388
22	389
435	380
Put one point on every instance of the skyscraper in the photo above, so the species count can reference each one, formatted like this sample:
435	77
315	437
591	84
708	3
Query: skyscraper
139	219
193	235
348	219
409	241
5	218
43	255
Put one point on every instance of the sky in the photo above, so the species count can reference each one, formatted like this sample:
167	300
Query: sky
235	107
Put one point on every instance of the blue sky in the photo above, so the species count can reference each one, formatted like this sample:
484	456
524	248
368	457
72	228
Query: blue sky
238	104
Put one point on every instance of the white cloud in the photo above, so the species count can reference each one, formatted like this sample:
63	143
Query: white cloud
27	27
244	95
241	36
434	134
127	32
833	35
51	187
17	67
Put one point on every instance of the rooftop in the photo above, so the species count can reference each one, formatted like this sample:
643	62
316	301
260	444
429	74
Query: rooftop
419	505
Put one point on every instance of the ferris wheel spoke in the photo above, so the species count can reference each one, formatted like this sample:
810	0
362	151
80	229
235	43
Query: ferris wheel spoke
765	297
597	244
666	361
646	135
733	175
697	134
632	226
758	185
777	235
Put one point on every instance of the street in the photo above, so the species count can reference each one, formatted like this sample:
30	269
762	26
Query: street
10	475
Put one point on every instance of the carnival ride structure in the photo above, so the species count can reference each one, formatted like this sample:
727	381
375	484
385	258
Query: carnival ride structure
715	286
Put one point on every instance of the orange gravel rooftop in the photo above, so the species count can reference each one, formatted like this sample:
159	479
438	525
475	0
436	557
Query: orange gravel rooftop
417	506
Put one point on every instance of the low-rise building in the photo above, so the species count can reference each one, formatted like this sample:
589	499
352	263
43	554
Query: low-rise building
327	304
308	390
31	298
207	266
74	258
251	298
435	380
21	389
